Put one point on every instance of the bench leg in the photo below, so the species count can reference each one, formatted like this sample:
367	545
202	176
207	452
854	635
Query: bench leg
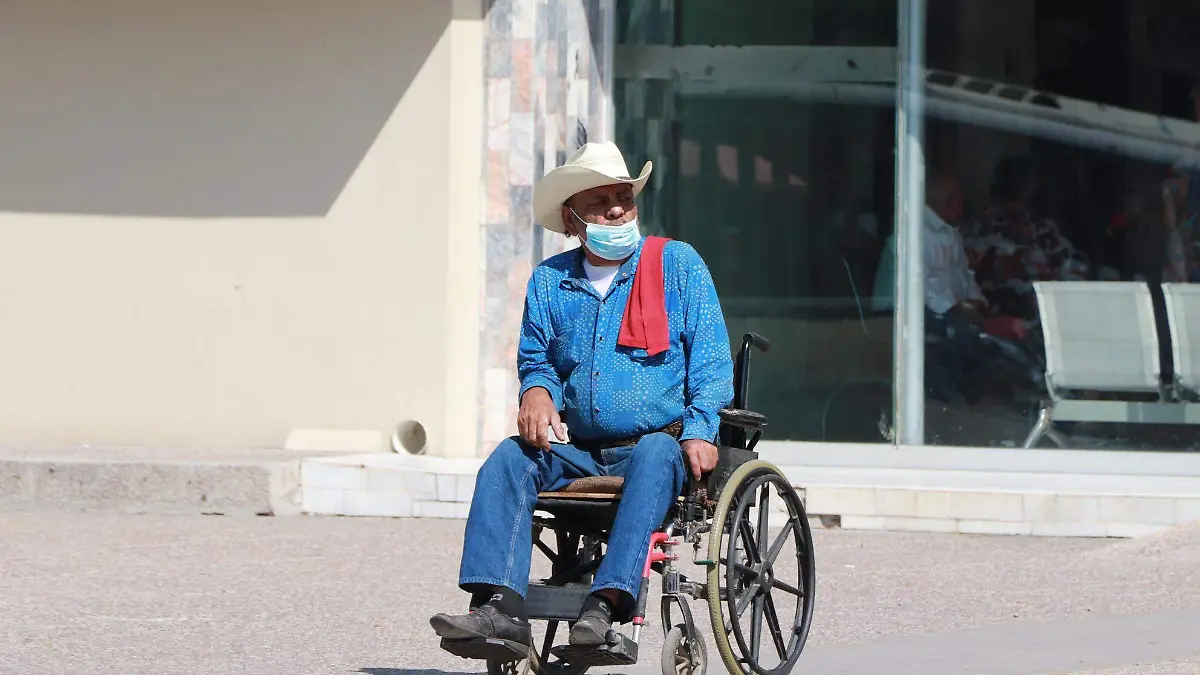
1044	422
1059	438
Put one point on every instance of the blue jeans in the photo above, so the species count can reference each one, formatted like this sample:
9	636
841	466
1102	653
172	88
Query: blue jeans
499	539
956	366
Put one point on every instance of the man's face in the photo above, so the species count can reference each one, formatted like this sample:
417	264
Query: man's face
952	203
604	205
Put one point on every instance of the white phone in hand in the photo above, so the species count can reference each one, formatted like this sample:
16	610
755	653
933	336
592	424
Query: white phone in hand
554	439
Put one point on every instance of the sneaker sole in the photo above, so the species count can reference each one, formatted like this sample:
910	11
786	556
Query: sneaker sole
488	649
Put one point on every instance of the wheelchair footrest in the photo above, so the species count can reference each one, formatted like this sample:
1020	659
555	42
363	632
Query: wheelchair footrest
491	649
620	650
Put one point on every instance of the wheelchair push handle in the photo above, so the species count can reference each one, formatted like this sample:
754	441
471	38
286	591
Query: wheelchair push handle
741	369
757	341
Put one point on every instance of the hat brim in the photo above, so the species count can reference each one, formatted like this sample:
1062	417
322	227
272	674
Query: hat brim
562	183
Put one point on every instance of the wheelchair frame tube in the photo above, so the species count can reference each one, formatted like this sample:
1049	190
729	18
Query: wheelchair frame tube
657	539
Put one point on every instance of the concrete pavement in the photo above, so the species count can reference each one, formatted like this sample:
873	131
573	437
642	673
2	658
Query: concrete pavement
158	594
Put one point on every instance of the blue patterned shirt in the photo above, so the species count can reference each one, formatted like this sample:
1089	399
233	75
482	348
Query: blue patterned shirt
569	346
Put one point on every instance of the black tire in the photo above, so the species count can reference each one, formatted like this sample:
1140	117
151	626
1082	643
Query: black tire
735	579
681	656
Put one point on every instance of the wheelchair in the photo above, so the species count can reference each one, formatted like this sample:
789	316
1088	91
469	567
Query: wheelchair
742	568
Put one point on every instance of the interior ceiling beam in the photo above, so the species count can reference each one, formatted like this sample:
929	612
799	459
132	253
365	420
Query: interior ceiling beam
867	76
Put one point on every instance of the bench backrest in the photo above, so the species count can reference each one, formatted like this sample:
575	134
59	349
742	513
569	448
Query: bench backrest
1183	315
1099	335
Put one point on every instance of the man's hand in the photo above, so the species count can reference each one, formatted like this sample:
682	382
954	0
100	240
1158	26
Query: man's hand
701	456
971	310
535	417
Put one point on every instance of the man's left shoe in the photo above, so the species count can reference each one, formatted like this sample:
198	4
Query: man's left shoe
594	623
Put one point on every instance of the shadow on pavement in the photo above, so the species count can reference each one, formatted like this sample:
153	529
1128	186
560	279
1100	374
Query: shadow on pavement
410	671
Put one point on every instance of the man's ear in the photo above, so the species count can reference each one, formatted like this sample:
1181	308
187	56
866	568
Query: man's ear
568	221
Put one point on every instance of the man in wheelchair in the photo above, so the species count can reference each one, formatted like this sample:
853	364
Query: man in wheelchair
624	341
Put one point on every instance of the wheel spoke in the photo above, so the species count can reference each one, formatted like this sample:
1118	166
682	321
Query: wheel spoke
750	594
756	620
764	515
742	568
748	540
787	588
745	571
776	632
777	545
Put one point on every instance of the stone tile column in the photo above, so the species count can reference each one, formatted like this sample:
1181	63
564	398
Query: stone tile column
543	96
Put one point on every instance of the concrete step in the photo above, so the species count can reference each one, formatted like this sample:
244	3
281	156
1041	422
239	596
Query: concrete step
150	480
991	501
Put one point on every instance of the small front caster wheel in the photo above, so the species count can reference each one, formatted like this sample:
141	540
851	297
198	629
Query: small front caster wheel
683	654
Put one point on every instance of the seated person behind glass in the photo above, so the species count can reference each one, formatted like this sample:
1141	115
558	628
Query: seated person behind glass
1181	210
954	305
642	404
1181	204
1011	245
949	282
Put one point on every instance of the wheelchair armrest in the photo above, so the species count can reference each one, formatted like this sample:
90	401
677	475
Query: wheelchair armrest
729	458
743	419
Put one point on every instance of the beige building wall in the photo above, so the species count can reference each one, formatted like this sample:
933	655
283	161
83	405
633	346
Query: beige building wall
225	221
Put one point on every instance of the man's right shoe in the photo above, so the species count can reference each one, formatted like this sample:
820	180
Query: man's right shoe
591	629
485	633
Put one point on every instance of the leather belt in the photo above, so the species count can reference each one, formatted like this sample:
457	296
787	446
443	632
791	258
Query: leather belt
675	429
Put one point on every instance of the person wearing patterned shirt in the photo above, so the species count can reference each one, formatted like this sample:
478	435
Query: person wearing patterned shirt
624	346
1011	246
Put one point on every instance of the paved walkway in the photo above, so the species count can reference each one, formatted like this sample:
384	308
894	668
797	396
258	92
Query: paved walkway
156	595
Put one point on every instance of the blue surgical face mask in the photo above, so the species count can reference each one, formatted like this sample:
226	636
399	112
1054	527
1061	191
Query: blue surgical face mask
612	242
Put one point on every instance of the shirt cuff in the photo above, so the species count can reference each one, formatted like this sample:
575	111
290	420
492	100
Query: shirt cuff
545	382
698	427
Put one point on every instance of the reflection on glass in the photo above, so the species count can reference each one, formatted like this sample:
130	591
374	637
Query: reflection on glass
773	125
1060	146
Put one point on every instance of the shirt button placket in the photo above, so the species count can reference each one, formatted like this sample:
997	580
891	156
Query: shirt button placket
596	373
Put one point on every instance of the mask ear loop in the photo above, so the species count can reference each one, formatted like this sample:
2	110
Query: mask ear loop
577	217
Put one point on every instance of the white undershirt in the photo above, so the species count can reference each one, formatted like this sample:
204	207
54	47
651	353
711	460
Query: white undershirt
601	277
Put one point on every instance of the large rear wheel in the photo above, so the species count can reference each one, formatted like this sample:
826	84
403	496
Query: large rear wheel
761	580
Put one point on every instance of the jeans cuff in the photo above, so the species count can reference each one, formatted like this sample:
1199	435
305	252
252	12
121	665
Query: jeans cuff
490	581
616	586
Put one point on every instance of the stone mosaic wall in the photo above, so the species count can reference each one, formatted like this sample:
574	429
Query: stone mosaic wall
544	94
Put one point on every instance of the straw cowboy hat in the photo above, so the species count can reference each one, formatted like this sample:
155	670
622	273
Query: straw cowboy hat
591	166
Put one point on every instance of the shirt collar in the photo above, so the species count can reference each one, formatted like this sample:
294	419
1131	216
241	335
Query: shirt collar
935	222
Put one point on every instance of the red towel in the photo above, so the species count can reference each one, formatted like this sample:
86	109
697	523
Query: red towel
1006	327
645	323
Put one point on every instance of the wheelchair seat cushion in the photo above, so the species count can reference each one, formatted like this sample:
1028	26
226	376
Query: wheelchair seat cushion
593	487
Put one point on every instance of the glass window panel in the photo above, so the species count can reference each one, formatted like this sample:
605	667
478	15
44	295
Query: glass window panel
1053	129
774	157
